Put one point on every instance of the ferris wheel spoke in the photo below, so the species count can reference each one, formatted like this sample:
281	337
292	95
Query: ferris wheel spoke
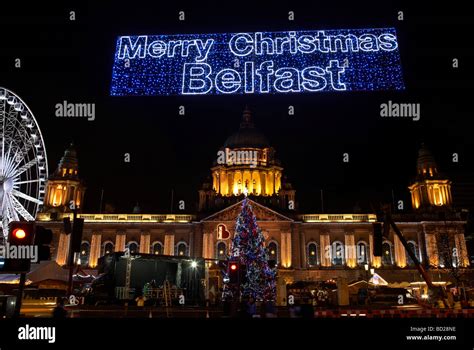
20	209
25	196
10	212
27	181
7	166
25	167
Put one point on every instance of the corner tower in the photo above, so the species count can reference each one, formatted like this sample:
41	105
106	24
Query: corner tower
430	190
64	185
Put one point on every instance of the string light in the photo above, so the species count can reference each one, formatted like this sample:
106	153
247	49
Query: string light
262	62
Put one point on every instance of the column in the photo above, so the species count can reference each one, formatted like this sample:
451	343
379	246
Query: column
461	249
432	249
350	250
208	246
95	250
63	249
304	262
120	242
325	250
169	245
400	253
145	243
286	249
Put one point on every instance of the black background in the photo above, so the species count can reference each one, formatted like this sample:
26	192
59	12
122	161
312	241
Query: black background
64	60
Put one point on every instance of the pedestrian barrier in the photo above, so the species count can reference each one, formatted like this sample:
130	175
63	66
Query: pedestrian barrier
395	313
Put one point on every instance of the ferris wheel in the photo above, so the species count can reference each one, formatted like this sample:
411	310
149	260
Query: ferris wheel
23	162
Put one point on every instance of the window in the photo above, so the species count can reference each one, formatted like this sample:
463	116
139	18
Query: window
84	253
182	249
157	248
133	247
312	254
362	253
387	254
108	248
337	253
414	250
272	251
221	251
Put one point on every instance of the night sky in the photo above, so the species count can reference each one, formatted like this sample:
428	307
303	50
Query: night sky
63	60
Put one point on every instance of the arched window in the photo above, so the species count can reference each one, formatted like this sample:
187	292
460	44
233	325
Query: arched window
221	251
413	248
362	253
273	251
133	247
108	248
84	254
312	254
157	248
337	253
387	254
181	249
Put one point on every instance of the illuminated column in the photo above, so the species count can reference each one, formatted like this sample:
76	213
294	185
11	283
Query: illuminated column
120	242
286	249
247	180
95	250
263	183
400	254
461	249
350	251
224	185
230	182
63	249
274	180
208	246
169	245
278	182
325	250
432	249
259	182
375	260
145	243
270	183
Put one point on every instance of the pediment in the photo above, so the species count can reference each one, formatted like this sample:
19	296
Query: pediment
260	211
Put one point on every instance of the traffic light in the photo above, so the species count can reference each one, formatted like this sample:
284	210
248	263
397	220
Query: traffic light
17	254
76	237
377	238
43	238
21	233
234	272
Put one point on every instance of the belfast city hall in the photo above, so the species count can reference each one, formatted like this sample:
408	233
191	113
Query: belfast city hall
306	247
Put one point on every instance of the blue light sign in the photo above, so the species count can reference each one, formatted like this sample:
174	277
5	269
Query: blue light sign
257	63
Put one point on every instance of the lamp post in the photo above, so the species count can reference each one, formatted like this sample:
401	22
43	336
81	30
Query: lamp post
366	267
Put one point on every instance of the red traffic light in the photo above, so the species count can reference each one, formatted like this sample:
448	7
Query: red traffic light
19	233
233	267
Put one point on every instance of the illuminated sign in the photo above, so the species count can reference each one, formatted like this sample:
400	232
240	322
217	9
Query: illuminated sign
257	63
222	232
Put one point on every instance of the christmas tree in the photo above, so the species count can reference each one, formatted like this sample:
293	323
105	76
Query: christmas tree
249	249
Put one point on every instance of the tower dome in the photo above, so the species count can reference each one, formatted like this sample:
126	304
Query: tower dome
426	164
248	136
68	165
